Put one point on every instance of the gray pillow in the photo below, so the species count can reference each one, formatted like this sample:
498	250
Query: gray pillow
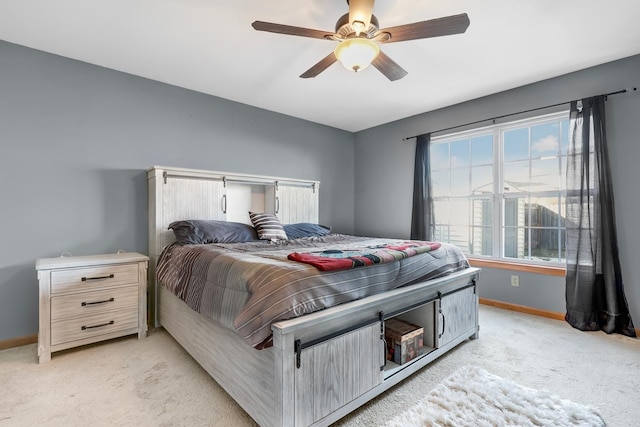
197	232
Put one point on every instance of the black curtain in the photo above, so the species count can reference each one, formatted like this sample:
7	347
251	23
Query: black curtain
422	218
594	290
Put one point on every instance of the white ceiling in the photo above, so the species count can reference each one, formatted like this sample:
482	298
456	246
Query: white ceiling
209	46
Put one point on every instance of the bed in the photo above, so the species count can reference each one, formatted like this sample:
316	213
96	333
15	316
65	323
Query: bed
316	360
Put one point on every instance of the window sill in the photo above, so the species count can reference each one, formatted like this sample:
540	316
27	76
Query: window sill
514	266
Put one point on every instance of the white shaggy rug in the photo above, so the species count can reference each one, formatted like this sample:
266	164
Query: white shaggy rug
472	396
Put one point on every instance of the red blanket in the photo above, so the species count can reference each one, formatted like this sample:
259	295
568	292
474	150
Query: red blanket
332	260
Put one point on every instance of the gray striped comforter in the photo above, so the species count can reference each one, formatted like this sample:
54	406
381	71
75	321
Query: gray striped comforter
249	286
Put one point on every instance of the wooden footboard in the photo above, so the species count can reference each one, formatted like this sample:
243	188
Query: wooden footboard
326	364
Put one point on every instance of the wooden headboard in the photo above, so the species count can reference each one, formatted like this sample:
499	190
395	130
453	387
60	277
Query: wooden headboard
180	194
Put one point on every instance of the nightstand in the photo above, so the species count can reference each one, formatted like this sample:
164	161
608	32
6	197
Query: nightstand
85	299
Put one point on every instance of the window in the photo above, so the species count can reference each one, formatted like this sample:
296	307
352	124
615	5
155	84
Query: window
500	191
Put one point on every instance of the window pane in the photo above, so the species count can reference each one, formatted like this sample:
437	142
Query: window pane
459	236
481	241
482	150
441	211
439	154
440	183
516	177
514	243
460	153
544	244
459	223
545	140
459	212
460	181
442	233
545	212
564	136
563	173
482	213
516	145
482	180
515	212
545	174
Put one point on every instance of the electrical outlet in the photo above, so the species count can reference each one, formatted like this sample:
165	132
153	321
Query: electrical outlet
515	280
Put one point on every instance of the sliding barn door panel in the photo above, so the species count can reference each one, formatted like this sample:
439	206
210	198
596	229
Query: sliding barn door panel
297	203
335	372
458	313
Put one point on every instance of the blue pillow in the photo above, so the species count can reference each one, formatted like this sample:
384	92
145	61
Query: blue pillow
305	229
198	232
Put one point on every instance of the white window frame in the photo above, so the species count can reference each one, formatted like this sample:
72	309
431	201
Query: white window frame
499	195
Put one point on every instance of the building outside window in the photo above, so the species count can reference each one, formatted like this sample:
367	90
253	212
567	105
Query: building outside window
499	192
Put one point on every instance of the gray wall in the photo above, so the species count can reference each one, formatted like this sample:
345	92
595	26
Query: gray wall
384	172
76	141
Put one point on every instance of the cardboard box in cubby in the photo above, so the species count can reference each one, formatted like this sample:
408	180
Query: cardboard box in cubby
405	341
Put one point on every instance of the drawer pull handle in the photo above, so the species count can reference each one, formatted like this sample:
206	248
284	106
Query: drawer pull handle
84	304
98	326
111	276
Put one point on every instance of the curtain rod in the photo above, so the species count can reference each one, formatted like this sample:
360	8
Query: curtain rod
520	112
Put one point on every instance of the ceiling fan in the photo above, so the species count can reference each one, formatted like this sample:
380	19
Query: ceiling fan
359	34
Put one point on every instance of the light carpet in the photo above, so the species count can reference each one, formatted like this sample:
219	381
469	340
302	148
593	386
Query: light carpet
154	383
472	396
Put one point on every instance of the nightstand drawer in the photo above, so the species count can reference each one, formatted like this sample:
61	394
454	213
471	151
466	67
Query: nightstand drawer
85	327
94	302
98	277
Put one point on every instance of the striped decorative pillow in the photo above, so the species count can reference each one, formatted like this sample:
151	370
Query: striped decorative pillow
268	226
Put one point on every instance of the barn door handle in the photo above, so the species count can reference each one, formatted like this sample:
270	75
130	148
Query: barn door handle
384	352
298	350
384	341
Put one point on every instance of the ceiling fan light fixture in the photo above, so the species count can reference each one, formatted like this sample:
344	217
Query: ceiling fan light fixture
360	12
357	53
358	27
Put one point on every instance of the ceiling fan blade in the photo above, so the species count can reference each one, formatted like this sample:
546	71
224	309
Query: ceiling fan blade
448	25
320	66
290	30
388	67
